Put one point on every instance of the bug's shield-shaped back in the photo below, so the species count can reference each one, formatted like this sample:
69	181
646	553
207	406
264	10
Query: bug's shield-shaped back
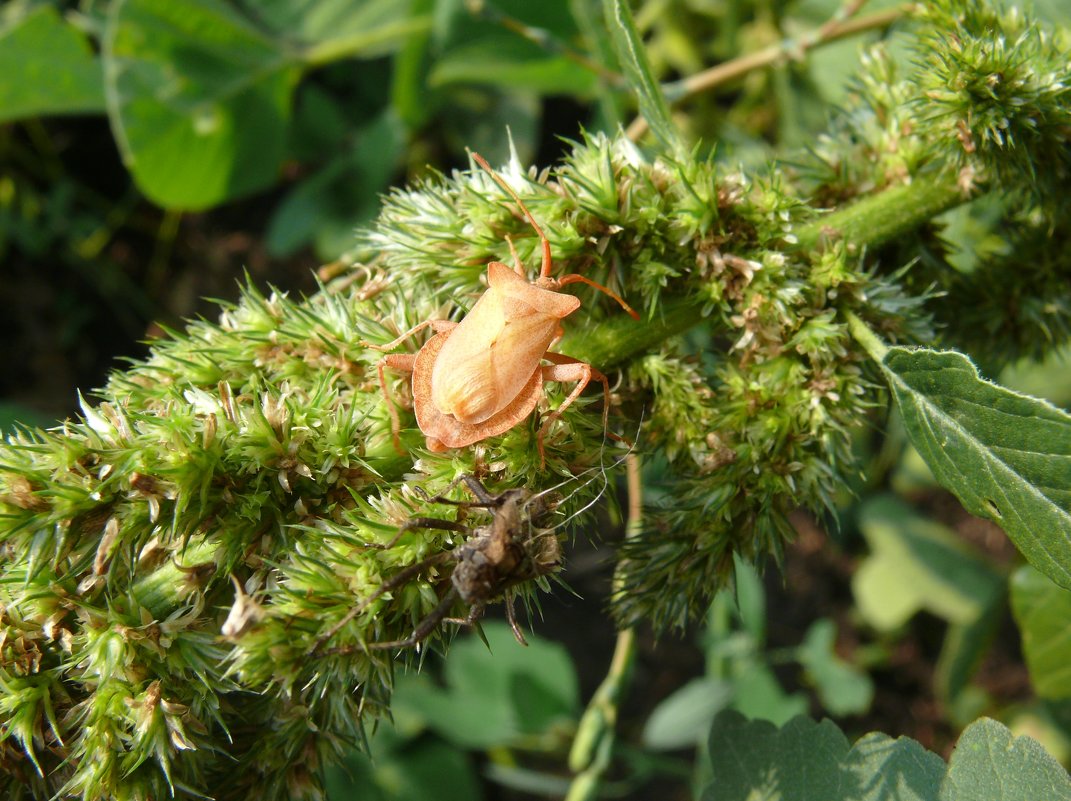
445	431
490	357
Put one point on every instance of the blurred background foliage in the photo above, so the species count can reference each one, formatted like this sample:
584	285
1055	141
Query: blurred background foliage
151	151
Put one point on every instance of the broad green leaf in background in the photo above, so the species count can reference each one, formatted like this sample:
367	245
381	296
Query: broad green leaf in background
965	646
683	718
758	695
397	769
808	761
1006	456
480	121
484	51
48	67
199	99
589	21
327	29
510	62
409	93
841	686
917	564
495	694
1043	612
990	764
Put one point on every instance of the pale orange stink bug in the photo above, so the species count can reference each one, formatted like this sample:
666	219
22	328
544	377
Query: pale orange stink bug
480	377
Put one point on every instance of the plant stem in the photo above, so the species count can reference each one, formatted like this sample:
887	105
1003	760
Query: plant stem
619	338
593	745
880	218
790	48
870	341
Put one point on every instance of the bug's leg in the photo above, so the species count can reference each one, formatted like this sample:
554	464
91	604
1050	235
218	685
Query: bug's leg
512	618
394	581
482	496
579	279
438	326
544	270
517	266
475	613
403	362
425	627
479	492
568	369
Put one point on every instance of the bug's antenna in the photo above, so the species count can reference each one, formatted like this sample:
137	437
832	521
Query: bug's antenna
544	270
602	470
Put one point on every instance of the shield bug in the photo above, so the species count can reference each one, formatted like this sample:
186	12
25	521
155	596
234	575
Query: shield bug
480	377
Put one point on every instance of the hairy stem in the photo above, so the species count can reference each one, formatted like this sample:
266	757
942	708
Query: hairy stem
593	745
880	218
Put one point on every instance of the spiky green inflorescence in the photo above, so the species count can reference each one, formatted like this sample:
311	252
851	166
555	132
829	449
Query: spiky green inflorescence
172	557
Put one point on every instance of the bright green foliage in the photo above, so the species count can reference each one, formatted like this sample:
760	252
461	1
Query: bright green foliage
683	719
991	764
843	688
814	762
915	565
221	101
200	92
633	59
808	761
1007	457
1043	612
49	68
496	692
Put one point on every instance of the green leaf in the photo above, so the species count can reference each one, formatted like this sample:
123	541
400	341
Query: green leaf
758	695
611	105
334	29
842	687
48	68
495	695
808	761
962	651
199	100
409	95
398	770
1043	612
917	564
989	764
512	63
1006	456
482	48
683	719
637	69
